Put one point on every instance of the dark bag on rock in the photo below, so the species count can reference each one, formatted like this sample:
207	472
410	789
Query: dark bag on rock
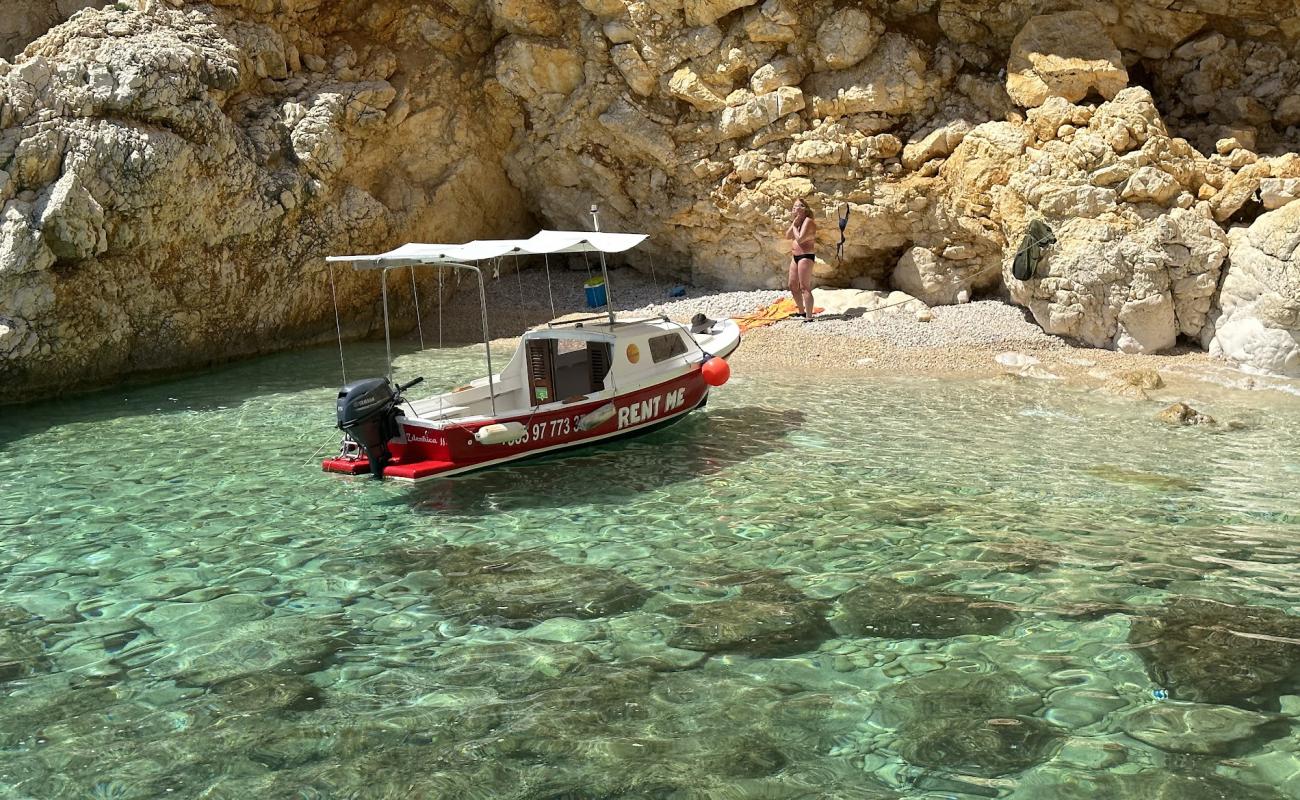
1031	250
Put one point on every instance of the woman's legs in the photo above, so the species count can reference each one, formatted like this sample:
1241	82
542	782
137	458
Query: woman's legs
796	288
804	268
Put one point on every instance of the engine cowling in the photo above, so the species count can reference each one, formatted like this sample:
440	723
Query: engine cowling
367	413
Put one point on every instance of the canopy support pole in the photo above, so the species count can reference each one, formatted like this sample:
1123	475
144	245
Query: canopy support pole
388	344
609	295
487	339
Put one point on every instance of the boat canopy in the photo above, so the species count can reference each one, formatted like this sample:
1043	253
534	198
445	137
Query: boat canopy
544	242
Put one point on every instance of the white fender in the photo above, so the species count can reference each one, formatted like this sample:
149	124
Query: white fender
500	433
596	417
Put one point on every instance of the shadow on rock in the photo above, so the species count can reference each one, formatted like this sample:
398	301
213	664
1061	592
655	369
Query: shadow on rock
701	444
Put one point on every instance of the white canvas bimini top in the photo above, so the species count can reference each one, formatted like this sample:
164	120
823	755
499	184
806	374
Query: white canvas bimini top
483	249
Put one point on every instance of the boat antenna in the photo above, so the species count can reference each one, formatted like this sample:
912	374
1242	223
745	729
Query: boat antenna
609	296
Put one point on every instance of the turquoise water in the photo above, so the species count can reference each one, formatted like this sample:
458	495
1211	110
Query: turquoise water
899	588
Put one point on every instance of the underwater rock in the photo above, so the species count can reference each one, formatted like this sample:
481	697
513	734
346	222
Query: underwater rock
934	695
278	644
1201	729
1156	784
767	618
1013	556
888	609
976	745
1183	414
1149	480
1210	652
518	590
264	691
513	669
20	655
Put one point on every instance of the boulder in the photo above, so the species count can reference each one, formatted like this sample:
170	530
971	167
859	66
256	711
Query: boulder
1207	652
766	618
1258	326
1066	55
518	590
1183	414
937	281
888	609
845	38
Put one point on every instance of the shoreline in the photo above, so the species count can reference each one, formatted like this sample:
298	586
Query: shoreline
959	342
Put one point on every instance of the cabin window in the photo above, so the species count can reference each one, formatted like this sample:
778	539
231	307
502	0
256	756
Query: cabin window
666	346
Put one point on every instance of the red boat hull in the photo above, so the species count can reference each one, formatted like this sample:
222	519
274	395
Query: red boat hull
432	450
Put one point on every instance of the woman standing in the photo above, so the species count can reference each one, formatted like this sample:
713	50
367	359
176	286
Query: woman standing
802	234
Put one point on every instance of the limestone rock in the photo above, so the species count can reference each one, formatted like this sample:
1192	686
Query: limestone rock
686	85
1277	192
526	17
938	281
1183	414
774	21
847	37
895	77
938	143
1259	325
1067	55
778	73
707	12
755	111
1150	185
529	68
635	71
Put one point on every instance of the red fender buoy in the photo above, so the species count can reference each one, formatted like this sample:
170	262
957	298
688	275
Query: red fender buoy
715	371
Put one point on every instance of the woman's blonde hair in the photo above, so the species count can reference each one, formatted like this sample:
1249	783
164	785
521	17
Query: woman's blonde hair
807	206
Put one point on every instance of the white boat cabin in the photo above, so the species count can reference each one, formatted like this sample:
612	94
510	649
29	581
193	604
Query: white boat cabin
572	363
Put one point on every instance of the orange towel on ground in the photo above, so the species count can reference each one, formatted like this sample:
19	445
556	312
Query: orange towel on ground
774	313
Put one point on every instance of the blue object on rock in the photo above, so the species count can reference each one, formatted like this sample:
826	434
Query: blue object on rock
677	291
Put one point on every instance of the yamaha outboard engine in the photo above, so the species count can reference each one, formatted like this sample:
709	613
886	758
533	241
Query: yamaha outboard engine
367	413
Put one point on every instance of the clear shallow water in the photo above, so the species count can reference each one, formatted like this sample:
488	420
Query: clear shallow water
896	589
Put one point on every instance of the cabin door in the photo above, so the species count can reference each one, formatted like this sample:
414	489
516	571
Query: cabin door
541	371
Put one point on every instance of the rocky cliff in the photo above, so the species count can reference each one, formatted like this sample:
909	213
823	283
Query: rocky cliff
171	175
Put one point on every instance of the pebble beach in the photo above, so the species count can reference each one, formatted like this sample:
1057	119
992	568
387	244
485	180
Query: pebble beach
960	341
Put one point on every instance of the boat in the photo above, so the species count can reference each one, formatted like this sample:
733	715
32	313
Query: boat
569	384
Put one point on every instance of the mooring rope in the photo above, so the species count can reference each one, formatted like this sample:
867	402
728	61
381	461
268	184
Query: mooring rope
550	295
415	293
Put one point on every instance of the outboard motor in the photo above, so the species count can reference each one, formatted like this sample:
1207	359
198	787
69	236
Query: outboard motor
367	413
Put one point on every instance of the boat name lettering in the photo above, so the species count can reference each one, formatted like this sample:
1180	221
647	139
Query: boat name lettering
636	413
426	438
